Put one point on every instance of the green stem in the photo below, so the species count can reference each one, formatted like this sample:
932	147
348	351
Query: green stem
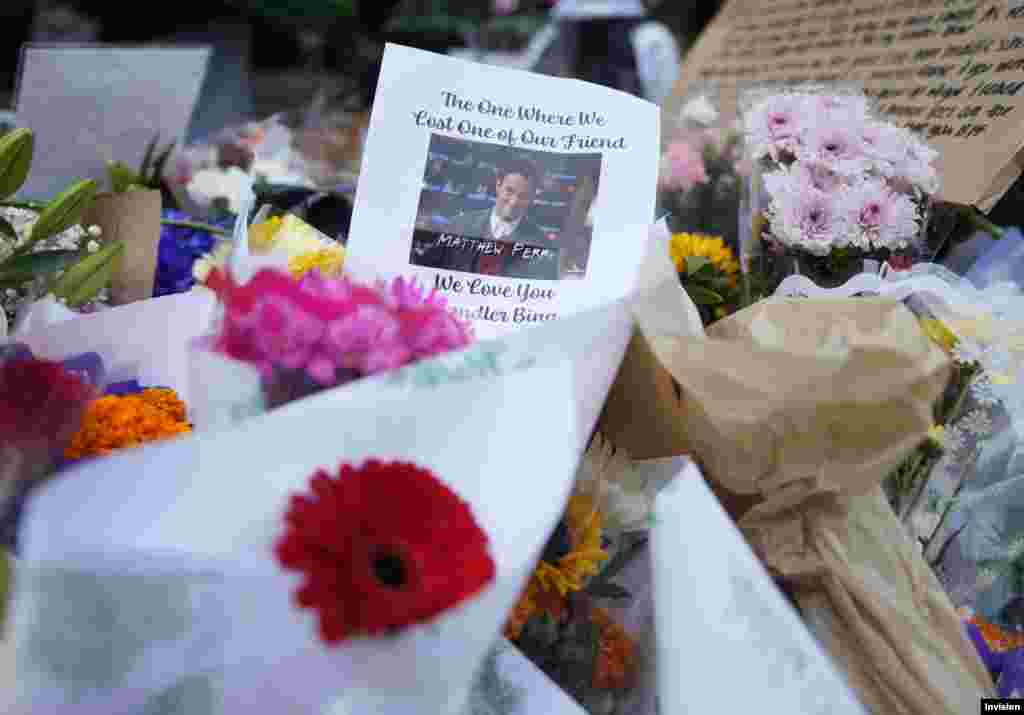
979	222
197	225
27	205
955	410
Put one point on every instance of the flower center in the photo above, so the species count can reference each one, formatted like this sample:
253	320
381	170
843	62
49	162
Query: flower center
390	570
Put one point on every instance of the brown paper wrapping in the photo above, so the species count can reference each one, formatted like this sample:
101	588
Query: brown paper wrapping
132	217
796	410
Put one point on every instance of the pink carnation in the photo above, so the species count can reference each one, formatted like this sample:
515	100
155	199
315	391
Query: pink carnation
683	167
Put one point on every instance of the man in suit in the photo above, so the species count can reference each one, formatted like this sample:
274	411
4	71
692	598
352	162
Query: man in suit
517	246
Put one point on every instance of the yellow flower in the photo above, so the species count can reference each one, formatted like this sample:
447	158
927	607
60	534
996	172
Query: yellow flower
329	260
937	435
217	258
939	334
551	583
262	235
572	570
712	248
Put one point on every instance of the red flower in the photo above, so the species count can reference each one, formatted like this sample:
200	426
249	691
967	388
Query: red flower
381	547
901	263
41	404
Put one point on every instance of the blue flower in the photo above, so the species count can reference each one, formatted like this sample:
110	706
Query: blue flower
178	250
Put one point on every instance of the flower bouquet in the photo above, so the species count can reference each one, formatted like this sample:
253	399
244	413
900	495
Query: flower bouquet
832	183
326	585
561	621
702	172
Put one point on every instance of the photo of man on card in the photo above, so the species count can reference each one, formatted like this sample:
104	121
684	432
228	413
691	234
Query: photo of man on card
489	210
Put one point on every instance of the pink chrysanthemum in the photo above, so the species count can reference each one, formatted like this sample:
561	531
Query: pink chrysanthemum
776	125
880	217
802	215
331	331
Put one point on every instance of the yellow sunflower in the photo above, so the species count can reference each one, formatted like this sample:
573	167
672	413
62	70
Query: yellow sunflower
684	245
551	583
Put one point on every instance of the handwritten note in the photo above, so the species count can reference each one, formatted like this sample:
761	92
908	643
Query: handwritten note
951	69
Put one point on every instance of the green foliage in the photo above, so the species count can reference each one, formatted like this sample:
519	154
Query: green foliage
23	263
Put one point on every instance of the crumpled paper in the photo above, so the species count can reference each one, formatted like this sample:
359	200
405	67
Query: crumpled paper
796	410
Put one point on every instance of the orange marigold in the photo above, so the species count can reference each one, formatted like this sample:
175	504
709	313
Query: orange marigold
615	666
115	422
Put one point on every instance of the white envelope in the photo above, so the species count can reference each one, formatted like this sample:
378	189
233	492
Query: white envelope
159	559
726	637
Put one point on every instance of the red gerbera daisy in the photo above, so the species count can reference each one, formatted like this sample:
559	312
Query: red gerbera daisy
381	547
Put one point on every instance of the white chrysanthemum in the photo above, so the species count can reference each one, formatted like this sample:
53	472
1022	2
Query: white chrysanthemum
699	110
956	440
967	352
976	422
984	392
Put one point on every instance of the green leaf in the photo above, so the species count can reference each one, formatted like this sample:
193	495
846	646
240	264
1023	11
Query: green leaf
158	166
121	177
703	296
696	263
6	229
148	156
85	279
5	588
16	149
63	212
26	267
610	591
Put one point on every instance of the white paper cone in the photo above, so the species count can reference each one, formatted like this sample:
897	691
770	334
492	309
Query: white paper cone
174	541
726	637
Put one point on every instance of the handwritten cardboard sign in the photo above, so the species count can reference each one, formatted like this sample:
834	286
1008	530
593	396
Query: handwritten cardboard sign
951	69
521	198
90	103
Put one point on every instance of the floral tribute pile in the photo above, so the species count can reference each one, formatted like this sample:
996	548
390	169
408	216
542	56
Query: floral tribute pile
315	333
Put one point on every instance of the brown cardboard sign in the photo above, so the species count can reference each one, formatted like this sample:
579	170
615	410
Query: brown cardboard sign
951	69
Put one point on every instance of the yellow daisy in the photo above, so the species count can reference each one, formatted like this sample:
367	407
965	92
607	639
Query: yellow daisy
684	245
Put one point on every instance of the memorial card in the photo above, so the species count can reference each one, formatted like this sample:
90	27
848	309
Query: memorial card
520	198
950	69
90	103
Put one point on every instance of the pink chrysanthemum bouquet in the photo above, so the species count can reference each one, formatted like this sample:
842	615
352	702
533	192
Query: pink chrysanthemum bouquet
834	182
316	333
